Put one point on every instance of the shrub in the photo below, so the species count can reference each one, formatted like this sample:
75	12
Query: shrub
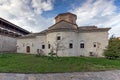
39	53
113	49
52	54
111	54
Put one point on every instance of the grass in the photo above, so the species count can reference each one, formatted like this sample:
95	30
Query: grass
23	63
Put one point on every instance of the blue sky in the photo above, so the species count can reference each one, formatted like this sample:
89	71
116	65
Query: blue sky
62	6
37	15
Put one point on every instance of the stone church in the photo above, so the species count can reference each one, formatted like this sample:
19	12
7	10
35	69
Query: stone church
66	39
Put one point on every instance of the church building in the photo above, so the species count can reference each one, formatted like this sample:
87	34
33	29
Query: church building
66	39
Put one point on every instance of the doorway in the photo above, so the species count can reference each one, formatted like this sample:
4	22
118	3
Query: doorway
28	49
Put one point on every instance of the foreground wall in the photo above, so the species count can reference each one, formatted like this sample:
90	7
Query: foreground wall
34	44
7	44
63	44
23	43
94	43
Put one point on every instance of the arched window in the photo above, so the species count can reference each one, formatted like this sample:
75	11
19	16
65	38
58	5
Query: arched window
70	45
58	36
94	44
82	45
43	45
48	46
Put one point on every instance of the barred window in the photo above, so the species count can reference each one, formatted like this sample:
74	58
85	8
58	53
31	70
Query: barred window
82	45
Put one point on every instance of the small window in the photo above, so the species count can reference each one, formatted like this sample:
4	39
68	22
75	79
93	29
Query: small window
82	45
48	46
43	46
58	37
94	45
70	45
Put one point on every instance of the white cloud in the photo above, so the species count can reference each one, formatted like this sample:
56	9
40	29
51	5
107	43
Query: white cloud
40	5
26	13
100	13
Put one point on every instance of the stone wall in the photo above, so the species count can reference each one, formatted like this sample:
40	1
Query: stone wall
7	44
100	39
33	43
94	43
66	38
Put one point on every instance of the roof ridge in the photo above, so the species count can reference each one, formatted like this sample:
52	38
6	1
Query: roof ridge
61	21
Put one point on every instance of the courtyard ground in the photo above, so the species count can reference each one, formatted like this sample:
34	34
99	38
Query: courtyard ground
24	63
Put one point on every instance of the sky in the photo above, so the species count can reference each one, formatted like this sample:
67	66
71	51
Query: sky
38	15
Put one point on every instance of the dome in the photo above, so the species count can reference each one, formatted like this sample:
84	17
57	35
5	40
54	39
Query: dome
69	17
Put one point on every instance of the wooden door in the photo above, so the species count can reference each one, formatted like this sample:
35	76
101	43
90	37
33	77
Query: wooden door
28	49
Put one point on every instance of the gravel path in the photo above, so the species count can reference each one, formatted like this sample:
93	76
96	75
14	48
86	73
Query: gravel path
103	75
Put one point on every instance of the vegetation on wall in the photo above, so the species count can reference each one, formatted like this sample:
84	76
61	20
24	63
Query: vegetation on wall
56	47
113	49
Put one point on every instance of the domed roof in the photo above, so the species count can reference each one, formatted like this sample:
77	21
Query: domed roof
68	13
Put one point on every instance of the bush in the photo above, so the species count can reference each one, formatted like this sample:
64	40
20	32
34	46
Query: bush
39	53
109	54
52	54
113	49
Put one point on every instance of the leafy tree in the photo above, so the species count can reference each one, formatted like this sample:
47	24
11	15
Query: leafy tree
113	49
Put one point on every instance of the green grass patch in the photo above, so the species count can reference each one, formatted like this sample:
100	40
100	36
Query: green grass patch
23	63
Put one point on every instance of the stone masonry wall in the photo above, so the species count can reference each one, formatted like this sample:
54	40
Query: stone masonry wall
7	44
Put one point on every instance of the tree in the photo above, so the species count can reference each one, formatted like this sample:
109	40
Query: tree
113	49
58	46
